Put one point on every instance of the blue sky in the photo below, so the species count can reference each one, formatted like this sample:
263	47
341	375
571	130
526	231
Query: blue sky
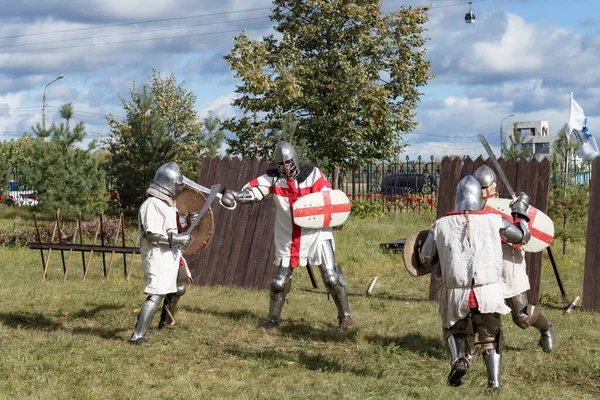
521	57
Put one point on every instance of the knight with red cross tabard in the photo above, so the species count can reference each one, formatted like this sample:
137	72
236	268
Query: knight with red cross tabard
294	245
514	275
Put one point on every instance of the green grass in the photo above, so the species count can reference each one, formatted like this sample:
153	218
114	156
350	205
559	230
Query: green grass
68	340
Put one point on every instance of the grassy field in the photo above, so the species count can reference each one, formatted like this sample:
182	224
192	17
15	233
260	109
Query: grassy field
68	340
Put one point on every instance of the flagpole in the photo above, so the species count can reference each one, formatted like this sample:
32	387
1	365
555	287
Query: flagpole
567	150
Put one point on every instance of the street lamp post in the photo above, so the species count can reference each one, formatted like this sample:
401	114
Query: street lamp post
501	140
44	102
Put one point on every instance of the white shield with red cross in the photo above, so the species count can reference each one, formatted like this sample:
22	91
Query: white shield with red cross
321	209
540	225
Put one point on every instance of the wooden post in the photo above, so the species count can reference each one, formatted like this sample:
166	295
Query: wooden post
37	230
112	253
62	253
87	266
123	242
137	243
70	254
102	242
81	240
50	250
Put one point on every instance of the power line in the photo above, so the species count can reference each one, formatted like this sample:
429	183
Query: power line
154	30
137	23
133	33
151	21
133	41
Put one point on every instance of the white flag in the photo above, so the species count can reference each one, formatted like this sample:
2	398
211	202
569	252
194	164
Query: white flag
577	127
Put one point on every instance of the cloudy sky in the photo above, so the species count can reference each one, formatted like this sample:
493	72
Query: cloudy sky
521	57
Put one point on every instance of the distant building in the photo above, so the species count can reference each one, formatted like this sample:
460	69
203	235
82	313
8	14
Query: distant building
535	135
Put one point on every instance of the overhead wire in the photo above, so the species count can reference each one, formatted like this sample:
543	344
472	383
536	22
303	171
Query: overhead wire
154	30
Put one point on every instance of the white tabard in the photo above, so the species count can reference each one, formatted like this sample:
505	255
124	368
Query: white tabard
294	245
514	271
160	263
463	265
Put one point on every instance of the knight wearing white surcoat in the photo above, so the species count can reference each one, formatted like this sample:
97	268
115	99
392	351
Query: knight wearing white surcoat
294	245
467	245
165	270
514	275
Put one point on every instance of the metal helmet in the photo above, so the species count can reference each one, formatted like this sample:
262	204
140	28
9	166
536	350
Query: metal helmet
487	179
287	160
485	175
168	179
468	194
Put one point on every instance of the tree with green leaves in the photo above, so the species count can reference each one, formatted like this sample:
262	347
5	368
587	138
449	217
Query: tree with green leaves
347	72
517	148
15	159
214	135
568	202
66	177
175	105
137	147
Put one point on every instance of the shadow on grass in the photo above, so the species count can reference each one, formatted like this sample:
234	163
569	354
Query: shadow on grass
236	315
293	329
312	362
302	330
379	296
419	344
49	323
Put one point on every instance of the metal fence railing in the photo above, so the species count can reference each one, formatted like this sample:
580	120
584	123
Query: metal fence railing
399	185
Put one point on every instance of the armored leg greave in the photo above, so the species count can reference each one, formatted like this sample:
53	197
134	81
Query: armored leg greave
493	364
147	311
334	280
547	332
167	317
458	362
280	287
525	315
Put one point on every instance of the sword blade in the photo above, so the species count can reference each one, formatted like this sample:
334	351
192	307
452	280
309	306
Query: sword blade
499	170
190	183
214	191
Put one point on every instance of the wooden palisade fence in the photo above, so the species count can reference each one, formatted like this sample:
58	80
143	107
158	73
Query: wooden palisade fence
241	251
591	277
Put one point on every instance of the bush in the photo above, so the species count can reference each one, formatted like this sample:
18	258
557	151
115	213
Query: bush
366	208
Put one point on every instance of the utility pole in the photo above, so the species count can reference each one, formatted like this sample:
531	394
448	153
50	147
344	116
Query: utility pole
44	103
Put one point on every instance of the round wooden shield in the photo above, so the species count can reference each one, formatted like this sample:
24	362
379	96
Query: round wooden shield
190	200
410	255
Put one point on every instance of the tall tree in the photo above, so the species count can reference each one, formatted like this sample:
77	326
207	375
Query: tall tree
569	202
65	176
348	73
175	106
137	147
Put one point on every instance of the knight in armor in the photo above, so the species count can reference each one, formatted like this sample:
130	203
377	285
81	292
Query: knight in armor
165	270
467	245
514	275
294	245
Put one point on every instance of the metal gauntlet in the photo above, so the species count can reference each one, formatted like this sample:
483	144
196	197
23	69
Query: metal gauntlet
519	206
171	239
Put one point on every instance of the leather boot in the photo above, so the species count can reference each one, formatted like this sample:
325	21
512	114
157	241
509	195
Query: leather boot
459	362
